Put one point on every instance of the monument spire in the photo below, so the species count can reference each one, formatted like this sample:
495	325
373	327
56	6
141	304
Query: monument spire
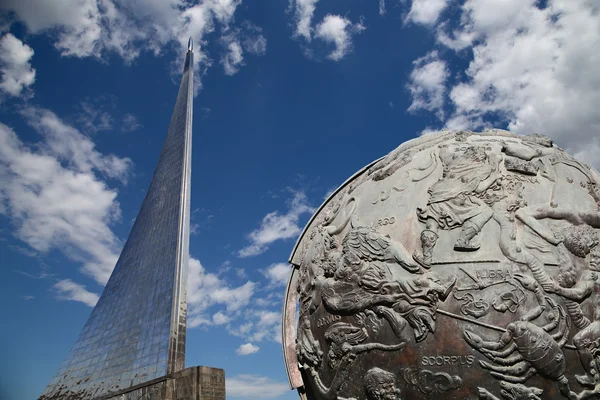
136	332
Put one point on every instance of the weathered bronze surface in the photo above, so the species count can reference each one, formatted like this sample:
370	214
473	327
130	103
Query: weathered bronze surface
460	266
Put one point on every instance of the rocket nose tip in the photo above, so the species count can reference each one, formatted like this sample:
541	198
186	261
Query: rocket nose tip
190	44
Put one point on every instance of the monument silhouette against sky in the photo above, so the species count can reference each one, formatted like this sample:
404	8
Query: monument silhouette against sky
135	336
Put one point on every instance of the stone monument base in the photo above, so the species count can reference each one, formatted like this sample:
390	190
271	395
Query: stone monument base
194	383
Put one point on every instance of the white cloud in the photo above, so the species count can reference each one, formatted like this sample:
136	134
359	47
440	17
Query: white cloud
278	274
427	84
257	386
533	68
277	333
256	45
247	348
276	226
54	199
426	12
78	22
259	325
206	290
130	123
338	30
15	67
304	14
219	318
67	144
381	7
237	41
96	28
333	29
69	290
93	118
234	58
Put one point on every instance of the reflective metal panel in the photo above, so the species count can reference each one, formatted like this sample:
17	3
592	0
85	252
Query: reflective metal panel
136	332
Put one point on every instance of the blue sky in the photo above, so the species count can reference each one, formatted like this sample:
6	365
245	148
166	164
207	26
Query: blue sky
292	98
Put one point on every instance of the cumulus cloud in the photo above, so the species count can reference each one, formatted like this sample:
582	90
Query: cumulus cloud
259	325
206	289
255	386
68	145
304	12
238	311
96	28
54	198
427	84
338	31
234	57
278	274
69	290
533	69
333	29
426	12
276	226
248	39
15	68
247	348
219	318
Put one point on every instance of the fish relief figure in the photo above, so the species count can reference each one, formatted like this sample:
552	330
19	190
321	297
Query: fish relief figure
525	349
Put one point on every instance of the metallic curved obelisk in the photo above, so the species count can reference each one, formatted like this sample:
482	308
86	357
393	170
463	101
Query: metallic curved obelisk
136	332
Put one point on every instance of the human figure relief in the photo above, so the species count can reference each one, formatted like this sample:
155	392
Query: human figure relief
453	200
357	285
587	341
379	385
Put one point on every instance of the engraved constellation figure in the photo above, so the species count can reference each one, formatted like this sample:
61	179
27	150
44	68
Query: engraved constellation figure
525	348
587	340
453	201
357	285
530	216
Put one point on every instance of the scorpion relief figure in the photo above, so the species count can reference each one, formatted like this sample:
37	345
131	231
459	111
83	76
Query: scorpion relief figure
526	349
453	200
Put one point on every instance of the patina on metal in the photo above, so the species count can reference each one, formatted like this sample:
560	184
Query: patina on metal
461	265
136	332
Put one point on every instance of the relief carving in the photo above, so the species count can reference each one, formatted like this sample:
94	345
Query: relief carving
512	391
517	222
453	200
431	382
381	385
526	349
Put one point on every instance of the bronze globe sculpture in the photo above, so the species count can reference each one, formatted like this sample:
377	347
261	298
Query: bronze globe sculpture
461	265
